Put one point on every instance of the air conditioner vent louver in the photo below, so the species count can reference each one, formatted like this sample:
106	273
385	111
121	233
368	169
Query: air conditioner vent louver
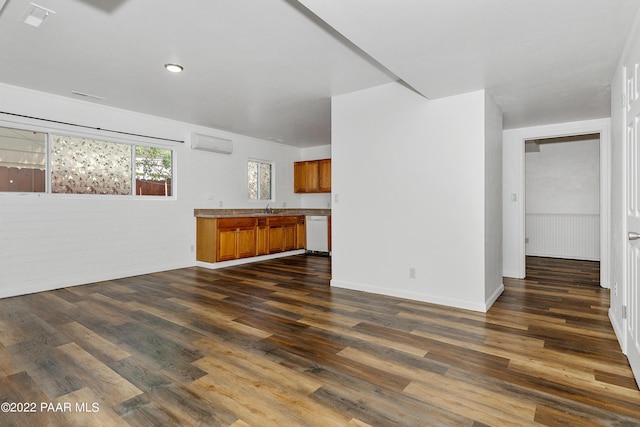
211	143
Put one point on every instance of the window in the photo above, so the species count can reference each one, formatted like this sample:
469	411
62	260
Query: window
153	171
22	161
89	166
259	180
81	165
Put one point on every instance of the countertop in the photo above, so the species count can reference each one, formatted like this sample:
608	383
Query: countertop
227	213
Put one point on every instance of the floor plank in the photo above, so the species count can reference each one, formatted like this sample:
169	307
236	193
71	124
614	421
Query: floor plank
272	344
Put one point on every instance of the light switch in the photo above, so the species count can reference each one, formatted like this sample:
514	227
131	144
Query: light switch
514	197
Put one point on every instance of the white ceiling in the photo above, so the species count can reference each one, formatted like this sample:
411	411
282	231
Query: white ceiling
268	68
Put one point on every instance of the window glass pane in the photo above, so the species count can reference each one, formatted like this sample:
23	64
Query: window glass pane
22	160
265	181
253	180
259	180
153	171
88	166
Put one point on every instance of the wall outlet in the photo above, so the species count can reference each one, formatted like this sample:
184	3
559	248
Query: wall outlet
526	240
412	273
193	248
284	204
220	203
615	288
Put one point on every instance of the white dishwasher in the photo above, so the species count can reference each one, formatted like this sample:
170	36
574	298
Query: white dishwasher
317	229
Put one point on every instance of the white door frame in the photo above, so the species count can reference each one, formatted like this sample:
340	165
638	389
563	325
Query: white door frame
601	126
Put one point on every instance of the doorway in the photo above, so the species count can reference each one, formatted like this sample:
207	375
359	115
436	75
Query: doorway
514	190
562	198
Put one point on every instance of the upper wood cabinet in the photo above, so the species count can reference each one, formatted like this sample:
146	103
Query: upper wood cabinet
312	176
324	175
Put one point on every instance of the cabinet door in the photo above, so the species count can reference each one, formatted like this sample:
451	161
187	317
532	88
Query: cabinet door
306	177
275	239
324	166
226	244
289	237
262	240
313	183
301	235
246	242
299	177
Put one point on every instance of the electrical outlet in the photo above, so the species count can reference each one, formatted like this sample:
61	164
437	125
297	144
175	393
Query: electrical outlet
412	273
220	203
193	248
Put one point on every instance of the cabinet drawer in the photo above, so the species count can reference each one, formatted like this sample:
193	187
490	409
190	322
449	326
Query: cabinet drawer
236	222
283	220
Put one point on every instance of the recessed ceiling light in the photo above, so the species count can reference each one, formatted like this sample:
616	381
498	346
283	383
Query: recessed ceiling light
174	68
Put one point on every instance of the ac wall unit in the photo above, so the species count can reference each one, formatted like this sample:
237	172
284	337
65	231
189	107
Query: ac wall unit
211	143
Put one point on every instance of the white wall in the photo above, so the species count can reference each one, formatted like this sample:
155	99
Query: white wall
409	192
564	177
54	240
514	190
493	201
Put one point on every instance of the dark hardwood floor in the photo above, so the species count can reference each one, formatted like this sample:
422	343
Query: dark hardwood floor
271	344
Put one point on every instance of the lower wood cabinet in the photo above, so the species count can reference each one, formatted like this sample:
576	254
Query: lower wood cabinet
224	239
262	237
236	238
301	233
282	233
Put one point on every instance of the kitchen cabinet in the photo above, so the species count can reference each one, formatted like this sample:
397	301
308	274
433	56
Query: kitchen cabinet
324	175
301	235
312	176
282	233
236	238
206	229
262	237
224	239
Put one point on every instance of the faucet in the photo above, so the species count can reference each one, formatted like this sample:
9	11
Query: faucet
268	210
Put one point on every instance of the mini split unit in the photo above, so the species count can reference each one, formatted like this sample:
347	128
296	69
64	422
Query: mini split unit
211	143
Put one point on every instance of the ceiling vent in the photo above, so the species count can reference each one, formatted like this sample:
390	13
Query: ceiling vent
211	143
36	15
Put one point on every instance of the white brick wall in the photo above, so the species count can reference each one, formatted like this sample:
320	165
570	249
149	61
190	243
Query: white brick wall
49	241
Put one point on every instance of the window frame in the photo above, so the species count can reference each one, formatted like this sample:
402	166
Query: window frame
272	164
132	143
35	129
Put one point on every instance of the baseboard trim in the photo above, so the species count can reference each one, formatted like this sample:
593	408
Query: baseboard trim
433	299
222	264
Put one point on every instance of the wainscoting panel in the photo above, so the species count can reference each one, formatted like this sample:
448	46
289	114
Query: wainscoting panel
572	236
